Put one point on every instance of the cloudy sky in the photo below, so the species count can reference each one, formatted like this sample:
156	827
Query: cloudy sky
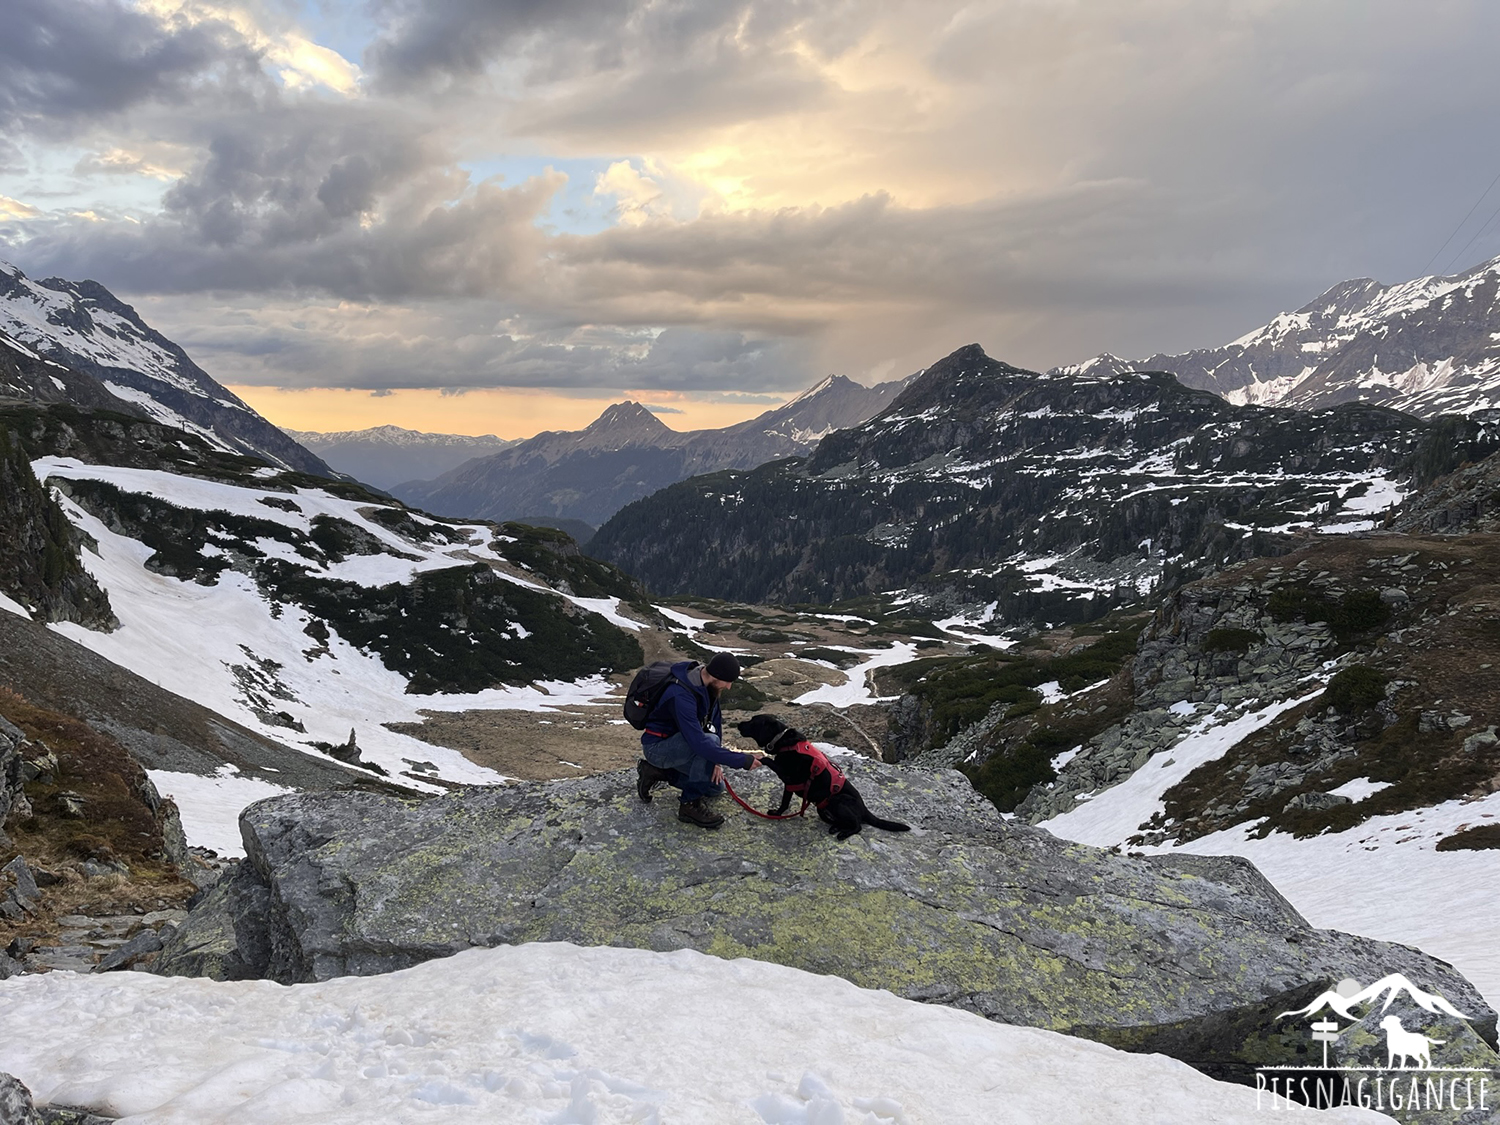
353	211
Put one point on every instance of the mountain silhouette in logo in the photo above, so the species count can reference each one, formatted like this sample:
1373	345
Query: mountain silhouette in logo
1389	987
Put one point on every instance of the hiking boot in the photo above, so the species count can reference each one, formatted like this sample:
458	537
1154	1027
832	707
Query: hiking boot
697	812
647	777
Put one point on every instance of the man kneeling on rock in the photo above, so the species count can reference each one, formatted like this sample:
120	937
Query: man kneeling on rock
682	743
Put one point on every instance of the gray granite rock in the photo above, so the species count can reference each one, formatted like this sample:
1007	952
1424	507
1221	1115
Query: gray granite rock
15	1102
146	942
967	909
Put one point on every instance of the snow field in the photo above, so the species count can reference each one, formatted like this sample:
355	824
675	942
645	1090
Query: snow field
1111	816
1384	878
856	687
10	605
190	638
571	1036
211	806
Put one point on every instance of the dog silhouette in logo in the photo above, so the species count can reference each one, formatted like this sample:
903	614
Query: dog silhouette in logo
1403	1044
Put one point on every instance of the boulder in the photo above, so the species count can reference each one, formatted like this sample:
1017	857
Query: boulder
1317	800
15	1102
967	909
143	944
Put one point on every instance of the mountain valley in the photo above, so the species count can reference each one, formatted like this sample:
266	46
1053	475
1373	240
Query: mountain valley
1078	626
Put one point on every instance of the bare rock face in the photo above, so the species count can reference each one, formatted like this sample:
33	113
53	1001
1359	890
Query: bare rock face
969	910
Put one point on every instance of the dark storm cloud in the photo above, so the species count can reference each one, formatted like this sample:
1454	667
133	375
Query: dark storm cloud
1150	177
426	43
64	64
461	346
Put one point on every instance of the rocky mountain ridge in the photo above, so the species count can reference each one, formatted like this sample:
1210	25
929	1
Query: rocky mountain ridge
628	453
1429	346
1042	498
82	325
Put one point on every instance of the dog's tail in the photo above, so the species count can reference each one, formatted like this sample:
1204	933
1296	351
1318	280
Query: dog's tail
888	825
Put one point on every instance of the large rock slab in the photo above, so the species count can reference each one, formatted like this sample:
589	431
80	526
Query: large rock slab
969	910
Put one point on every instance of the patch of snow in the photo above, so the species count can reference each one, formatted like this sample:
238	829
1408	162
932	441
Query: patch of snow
555	1032
1065	757
1051	691
607	608
165	414
855	689
1183	707
1360	788
692	624
12	606
1441	902
211	806
1111	816
16	345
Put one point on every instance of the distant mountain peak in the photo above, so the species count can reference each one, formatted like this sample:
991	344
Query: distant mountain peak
627	418
1427	346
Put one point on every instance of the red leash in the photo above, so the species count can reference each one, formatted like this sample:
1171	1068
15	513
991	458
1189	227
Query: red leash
756	812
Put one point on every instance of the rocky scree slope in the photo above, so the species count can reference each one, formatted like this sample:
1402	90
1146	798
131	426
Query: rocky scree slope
1427	346
84	326
628	453
1461	503
1053	498
84	832
1192	956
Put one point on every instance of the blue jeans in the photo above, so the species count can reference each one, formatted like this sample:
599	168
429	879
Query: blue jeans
695	772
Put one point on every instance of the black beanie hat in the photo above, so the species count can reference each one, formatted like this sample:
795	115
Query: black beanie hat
724	667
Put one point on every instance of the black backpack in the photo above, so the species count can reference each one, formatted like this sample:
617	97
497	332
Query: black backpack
646	690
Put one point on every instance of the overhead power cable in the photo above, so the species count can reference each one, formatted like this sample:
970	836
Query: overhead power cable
1460	226
1483	228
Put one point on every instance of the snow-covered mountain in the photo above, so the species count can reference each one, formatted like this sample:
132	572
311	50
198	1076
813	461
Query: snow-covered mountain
83	326
1045	497
386	456
1429	346
627	453
303	608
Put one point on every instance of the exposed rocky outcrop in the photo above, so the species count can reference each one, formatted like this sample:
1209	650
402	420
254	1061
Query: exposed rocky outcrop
12	796
1389	642
1464	502
968	910
17	1108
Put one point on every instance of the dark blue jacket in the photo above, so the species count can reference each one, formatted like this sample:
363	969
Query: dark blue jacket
685	708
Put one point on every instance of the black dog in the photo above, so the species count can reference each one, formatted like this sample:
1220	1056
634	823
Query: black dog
805	771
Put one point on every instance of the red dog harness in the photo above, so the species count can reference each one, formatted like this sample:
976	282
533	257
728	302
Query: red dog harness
819	764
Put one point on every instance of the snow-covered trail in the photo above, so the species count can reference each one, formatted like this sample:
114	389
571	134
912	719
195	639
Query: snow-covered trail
571	1036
